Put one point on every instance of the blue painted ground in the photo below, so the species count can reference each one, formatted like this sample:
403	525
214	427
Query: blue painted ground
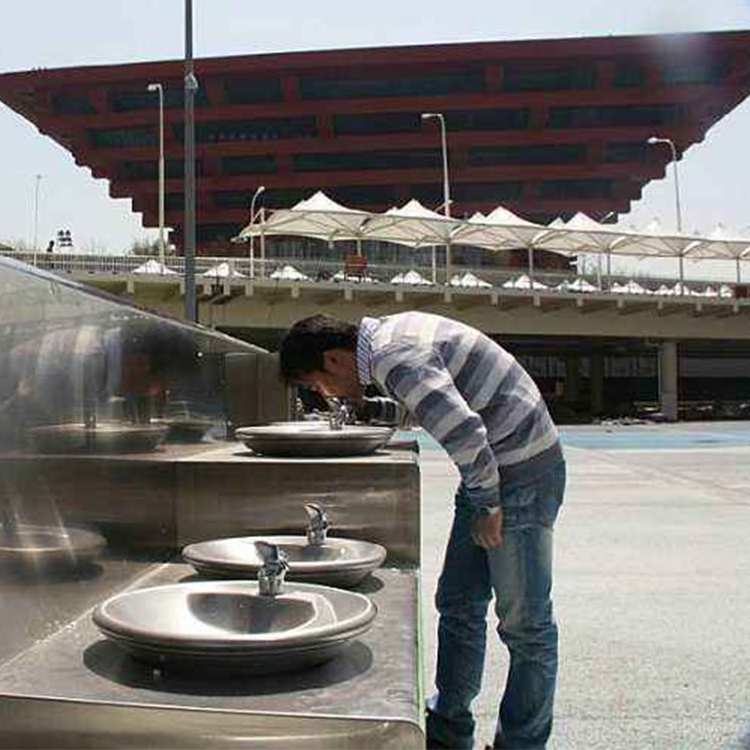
636	437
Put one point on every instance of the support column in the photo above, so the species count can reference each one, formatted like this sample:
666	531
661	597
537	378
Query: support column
668	374
572	379
597	385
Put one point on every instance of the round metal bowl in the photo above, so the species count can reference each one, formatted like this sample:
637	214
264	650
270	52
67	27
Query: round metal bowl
314	441
32	546
106	437
228	626
185	430
338	562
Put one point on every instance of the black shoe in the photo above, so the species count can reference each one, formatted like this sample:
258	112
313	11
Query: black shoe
433	744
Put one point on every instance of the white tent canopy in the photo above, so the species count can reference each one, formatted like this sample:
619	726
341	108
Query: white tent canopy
289	273
579	284
317	216
630	287
223	270
593	234
414	225
154	267
468	279
411	277
500	228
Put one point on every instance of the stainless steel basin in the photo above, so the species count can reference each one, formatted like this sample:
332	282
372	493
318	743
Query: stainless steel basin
316	439
106	437
228	626
185	430
36	547
337	562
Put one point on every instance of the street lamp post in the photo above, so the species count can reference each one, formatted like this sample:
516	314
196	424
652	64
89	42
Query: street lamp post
191	86
160	90
36	216
446	183
678	208
258	191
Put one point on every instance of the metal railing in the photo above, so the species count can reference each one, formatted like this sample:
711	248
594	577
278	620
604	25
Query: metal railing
318	270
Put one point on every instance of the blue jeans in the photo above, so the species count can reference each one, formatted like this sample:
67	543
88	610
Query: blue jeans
519	572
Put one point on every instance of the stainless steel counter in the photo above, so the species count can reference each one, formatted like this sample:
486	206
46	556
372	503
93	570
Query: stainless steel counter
176	495
76	689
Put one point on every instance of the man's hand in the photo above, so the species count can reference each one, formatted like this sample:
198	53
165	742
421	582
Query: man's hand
487	529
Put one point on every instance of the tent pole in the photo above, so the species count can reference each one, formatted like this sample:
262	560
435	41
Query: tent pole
252	259
739	273
447	261
434	264
531	265
682	275
262	242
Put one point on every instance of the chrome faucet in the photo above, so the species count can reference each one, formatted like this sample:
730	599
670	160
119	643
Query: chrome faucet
318	526
275	566
7	522
338	414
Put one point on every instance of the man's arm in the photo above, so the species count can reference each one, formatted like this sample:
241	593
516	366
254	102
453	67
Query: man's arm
420	380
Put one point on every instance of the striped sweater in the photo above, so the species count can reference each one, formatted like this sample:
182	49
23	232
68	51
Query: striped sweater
466	391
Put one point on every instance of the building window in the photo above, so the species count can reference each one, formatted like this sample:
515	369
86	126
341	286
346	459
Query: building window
138	101
431	194
545	154
396	85
564	189
260	164
253	90
333	162
619	116
149	170
487	119
174	202
216	232
377	123
363	196
706	71
71	103
124	137
272	128
558	78
391	123
495	192
629	76
272	198
626	152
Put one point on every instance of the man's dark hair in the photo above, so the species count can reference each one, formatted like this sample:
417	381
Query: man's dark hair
308	339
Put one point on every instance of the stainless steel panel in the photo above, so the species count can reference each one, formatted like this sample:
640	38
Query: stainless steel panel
228	492
97	696
53	724
255	393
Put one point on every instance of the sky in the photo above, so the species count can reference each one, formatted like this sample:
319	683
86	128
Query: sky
714	176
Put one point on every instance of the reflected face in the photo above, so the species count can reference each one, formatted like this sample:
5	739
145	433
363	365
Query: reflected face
338	379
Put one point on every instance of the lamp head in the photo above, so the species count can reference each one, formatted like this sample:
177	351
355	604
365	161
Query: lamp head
154	86
427	115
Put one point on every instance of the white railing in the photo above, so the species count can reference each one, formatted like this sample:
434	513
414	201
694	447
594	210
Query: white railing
82	265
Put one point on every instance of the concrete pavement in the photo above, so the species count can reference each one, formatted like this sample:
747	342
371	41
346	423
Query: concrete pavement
652	588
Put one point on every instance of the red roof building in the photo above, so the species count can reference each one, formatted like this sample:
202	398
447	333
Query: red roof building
546	128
